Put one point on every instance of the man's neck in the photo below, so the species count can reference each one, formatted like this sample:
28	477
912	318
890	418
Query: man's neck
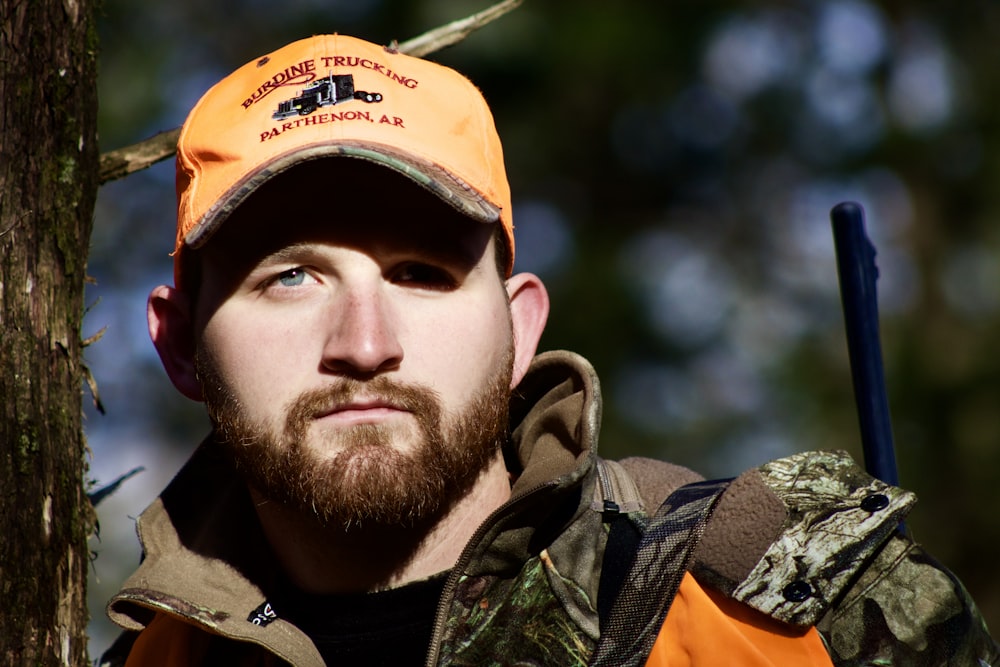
327	559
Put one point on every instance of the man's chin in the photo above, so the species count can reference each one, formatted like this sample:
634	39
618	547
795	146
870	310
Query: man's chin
368	485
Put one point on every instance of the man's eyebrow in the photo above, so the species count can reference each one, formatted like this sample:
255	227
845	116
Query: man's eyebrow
464	251
294	252
458	253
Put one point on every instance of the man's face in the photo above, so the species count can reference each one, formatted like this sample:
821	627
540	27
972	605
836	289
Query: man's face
354	344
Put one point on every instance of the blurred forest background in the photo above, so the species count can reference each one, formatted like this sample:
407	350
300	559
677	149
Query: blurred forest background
673	167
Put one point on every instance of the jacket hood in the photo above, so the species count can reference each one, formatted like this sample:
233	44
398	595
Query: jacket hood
555	417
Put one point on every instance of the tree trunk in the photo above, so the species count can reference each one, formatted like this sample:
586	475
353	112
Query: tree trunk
48	184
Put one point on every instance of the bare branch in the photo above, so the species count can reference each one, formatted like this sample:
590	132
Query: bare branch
456	31
124	161
121	162
87	342
91	381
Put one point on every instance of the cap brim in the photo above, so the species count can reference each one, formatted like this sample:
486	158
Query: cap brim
450	189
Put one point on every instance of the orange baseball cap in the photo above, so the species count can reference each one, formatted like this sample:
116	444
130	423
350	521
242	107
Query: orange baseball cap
333	95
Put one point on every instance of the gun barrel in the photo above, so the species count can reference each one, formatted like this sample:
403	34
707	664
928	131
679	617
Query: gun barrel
858	274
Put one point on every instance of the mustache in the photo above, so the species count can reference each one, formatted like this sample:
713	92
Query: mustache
420	400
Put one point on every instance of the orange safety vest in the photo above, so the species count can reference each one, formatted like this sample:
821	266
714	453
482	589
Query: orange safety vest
704	628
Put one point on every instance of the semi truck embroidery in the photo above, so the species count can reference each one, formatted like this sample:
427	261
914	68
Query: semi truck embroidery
331	89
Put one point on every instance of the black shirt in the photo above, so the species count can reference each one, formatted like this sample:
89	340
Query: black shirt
391	627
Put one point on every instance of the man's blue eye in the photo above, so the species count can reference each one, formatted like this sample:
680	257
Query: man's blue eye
292	277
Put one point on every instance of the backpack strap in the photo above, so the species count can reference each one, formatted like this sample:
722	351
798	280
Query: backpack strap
657	563
618	498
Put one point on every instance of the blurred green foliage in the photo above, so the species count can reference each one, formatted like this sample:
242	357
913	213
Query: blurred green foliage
673	166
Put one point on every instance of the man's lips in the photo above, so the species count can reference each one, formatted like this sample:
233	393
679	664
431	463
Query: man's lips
361	411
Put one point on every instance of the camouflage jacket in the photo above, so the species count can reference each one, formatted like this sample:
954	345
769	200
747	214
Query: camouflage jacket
810	540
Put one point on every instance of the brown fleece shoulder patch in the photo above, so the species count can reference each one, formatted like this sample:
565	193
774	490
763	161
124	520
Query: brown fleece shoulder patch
745	523
655	480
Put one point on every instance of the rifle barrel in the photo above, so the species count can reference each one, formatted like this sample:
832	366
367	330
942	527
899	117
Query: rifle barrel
858	275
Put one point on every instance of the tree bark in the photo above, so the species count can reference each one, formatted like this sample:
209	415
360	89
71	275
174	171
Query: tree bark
48	184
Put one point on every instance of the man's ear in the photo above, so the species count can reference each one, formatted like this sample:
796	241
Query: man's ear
171	327
529	311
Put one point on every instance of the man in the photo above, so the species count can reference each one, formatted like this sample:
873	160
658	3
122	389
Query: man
393	477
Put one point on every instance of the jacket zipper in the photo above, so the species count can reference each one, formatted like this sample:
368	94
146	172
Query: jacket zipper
444	606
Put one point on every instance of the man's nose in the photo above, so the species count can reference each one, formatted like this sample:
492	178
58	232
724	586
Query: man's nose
363	333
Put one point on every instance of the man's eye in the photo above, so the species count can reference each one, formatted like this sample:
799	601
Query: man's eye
424	275
291	278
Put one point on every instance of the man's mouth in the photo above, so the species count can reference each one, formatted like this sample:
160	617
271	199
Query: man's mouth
361	410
